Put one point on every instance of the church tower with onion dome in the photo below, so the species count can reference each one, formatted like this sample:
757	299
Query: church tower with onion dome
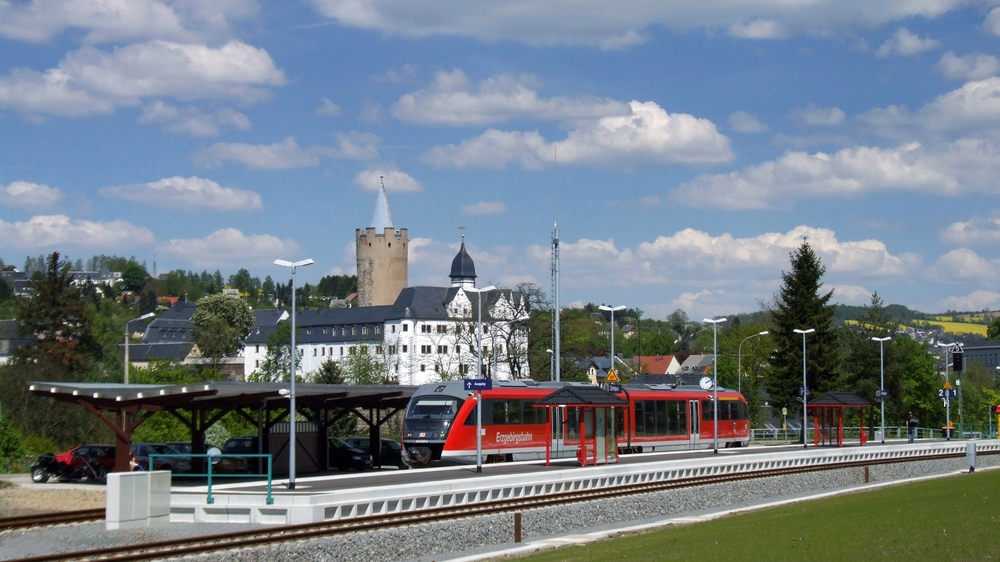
382	256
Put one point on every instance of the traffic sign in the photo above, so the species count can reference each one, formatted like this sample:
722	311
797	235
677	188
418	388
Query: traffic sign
612	376
478	384
947	385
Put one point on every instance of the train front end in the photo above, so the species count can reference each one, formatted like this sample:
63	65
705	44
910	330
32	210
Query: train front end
429	418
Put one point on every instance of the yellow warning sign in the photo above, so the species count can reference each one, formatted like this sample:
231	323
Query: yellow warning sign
612	376
947	385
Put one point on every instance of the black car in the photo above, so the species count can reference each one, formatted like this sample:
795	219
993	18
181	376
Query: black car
392	452
142	451
343	456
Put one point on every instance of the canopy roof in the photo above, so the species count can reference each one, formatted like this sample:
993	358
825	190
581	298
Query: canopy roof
586	395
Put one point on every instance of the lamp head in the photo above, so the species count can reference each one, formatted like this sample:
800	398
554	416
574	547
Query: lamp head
284	392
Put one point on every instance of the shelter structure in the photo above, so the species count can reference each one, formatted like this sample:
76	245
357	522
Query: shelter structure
594	410
124	407
828	417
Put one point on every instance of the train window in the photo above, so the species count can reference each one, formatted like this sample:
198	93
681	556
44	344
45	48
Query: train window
661	417
488	411
707	412
436	408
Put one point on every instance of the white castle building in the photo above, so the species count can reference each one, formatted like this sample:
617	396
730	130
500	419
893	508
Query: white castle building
427	335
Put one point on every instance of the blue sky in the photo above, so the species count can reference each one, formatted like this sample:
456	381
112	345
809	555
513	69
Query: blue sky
685	148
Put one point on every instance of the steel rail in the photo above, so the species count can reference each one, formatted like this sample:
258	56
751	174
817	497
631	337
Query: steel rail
288	533
51	519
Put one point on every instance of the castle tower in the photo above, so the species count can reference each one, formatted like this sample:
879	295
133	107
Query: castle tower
382	257
463	269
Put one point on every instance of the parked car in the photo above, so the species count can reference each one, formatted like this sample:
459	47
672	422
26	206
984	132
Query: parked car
392	452
243	446
86	462
226	465
343	456
142	451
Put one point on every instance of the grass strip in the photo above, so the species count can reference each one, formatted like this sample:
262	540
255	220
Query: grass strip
951	518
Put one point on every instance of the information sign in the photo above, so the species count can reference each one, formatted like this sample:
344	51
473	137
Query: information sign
614	388
478	384
947	393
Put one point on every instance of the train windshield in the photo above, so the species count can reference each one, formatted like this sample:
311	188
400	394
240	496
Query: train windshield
431	414
436	408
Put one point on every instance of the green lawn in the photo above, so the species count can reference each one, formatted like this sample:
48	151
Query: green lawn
953	518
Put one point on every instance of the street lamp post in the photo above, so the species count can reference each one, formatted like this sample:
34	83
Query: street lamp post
805	389
612	309
715	380
739	360
127	322
881	345
479	356
291	393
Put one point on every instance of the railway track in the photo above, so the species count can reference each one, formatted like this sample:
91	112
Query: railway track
289	533
51	519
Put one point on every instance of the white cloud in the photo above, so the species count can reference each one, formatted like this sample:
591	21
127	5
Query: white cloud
648	136
744	122
60	230
963	264
905	43
992	23
975	231
602	23
280	156
230	246
288	154
973	66
485	208
28	195
327	108
192	121
186	194
758	29
395	181
962	166
817	116
976	300
453	100
89	80
973	107
117	20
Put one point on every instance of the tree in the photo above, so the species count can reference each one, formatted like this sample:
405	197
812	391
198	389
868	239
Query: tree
221	323
861	372
754	358
57	320
134	277
799	305
278	360
363	366
241	281
993	331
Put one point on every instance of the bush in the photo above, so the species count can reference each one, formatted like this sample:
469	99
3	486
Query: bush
11	445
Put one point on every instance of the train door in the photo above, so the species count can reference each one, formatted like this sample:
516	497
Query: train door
694	422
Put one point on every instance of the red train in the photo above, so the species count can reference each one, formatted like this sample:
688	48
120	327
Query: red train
440	422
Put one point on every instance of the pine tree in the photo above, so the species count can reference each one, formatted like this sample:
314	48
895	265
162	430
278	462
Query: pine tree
799	305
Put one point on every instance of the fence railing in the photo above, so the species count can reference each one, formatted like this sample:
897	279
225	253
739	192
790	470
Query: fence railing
210	473
793	435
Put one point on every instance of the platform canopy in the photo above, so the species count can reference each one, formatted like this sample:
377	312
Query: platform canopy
828	414
123	407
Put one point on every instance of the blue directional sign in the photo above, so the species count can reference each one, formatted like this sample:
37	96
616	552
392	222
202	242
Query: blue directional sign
478	384
947	393
881	394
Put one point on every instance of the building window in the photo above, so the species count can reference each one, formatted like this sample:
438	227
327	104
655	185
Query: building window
364	330
442	329
406	327
326	330
463	369
309	332
341	351
425	349
378	349
425	328
405	349
322	352
314	355
442	349
393	328
437	368
354	330
458	350
378	329
392	350
257	364
351	350
421	370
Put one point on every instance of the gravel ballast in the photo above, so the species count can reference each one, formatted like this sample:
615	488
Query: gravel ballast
491	534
